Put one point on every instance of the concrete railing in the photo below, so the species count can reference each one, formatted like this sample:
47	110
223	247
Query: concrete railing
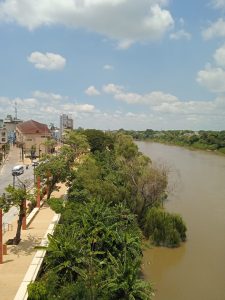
36	263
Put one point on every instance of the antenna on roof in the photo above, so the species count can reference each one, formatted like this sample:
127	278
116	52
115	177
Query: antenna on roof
15	110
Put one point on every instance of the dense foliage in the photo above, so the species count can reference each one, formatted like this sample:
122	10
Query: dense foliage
204	140
163	228
96	252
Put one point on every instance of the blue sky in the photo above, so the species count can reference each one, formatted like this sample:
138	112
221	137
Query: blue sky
111	64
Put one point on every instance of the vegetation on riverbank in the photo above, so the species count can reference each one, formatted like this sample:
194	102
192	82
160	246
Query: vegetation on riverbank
96	250
164	228
202	140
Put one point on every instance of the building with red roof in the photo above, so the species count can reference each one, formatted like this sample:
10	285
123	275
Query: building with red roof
31	137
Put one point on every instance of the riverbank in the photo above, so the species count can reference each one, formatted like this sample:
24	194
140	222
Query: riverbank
191	148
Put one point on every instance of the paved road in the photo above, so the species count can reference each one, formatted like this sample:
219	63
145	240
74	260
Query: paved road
6	178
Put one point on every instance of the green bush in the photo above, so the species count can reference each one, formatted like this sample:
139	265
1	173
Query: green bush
222	150
37	291
163	228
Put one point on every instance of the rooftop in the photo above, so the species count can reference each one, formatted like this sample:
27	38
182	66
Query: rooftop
32	127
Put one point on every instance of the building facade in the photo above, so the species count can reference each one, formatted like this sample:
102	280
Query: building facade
3	134
31	137
66	122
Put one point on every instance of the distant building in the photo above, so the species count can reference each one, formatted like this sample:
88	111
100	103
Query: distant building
54	131
66	122
3	134
10	124
31	137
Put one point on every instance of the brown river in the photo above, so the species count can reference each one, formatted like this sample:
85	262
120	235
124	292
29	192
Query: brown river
196	270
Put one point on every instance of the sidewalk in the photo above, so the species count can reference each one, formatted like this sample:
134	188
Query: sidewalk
19	257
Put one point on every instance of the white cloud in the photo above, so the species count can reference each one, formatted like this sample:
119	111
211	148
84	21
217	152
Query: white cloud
126	21
112	88
125	44
70	107
168	106
219	56
218	4
216	29
4	101
108	67
180	34
152	98
157	97
47	61
92	91
212	78
48	96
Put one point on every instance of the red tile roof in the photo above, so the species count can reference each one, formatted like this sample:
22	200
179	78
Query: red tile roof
32	126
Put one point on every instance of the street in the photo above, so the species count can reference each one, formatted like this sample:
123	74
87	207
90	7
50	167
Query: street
6	178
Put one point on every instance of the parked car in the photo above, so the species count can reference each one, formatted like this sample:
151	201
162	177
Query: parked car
17	170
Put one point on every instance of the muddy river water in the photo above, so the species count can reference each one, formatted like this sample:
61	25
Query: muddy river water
196	270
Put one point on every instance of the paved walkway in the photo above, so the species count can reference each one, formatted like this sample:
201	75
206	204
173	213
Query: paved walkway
19	257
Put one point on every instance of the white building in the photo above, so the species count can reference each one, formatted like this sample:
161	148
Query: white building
66	122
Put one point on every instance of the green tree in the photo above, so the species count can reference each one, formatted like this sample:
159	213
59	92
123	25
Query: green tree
53	170
77	141
15	197
50	145
98	140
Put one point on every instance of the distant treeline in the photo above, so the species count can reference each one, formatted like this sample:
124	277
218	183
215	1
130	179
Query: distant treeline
204	140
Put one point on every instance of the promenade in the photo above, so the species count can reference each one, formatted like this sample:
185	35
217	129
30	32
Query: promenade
19	257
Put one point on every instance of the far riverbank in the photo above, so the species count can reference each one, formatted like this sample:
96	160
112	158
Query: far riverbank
191	148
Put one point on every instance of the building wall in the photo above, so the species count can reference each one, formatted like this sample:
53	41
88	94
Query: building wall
30	140
3	136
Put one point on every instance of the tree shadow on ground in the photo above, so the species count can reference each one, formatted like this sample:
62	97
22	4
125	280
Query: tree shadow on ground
25	247
7	261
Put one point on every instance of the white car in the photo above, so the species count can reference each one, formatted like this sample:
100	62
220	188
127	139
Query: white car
17	170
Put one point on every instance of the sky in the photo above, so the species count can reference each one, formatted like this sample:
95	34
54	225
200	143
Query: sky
111	64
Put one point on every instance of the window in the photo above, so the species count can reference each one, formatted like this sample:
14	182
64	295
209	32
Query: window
3	133
3	139
29	140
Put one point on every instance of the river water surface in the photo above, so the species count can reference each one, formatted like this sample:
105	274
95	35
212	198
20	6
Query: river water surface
196	270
